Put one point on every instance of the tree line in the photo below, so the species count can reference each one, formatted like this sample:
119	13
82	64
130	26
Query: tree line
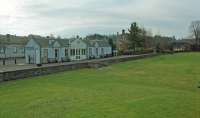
140	39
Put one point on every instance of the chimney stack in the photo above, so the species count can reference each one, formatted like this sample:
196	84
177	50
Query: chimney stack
117	33
123	32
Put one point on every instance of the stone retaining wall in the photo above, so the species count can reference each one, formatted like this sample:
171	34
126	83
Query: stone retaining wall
21	74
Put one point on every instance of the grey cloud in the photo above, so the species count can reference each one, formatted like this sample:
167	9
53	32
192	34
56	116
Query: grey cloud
63	17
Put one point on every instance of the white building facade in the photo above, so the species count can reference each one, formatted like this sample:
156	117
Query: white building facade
12	46
98	49
78	50
40	50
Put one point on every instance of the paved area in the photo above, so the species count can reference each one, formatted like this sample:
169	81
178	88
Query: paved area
8	62
21	65
11	66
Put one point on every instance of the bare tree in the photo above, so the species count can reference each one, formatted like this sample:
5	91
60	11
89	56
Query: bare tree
195	30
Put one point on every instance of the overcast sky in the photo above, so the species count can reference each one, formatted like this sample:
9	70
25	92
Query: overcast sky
71	17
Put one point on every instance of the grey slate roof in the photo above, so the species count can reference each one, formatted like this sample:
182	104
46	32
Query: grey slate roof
101	43
64	42
44	41
184	42
13	40
73	39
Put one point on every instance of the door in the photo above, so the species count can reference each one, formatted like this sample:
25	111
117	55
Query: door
30	55
38	56
57	54
45	58
97	52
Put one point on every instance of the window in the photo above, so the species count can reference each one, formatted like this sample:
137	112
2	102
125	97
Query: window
2	50
79	51
72	52
102	51
83	51
76	51
23	50
66	52
78	57
56	53
97	51
90	51
15	50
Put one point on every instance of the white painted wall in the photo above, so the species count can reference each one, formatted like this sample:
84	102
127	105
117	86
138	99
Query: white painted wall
13	51
30	51
36	53
78	44
106	51
51	52
62	53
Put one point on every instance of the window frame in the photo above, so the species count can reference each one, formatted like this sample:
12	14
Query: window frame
66	52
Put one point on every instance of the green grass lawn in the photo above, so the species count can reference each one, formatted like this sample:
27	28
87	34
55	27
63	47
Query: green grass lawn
159	87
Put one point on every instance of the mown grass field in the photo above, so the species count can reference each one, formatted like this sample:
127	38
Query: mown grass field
160	87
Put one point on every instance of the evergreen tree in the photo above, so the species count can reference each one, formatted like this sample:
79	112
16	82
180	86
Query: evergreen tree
134	36
110	41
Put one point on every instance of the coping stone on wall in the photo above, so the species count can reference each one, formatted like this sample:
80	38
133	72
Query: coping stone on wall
26	73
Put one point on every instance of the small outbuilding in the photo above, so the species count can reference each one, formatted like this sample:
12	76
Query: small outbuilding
12	46
78	49
182	45
98	48
41	50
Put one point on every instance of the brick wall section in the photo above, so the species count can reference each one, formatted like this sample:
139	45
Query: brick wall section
21	74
